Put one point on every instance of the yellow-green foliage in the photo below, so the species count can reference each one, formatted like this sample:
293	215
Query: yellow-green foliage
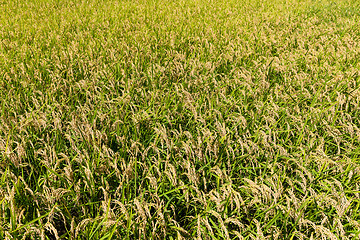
193	119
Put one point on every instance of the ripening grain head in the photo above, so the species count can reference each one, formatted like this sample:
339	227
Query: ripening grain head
187	119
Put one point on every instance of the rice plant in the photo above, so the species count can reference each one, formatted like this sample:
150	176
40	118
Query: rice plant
194	119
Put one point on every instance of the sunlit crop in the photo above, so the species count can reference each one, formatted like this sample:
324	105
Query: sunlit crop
186	119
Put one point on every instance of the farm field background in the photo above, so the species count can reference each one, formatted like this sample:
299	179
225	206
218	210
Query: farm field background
179	119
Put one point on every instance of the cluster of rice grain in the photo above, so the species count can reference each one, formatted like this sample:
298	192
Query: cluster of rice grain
179	119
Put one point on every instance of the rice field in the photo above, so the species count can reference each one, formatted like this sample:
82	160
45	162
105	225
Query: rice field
196	119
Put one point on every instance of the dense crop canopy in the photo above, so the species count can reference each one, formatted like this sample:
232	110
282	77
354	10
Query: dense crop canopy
193	119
